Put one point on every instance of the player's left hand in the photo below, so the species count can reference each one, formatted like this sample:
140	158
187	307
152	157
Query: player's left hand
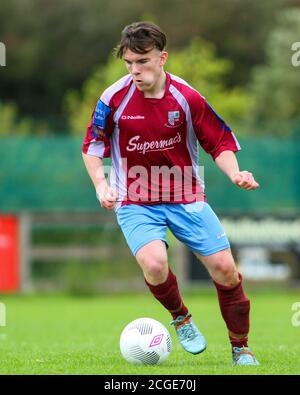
245	180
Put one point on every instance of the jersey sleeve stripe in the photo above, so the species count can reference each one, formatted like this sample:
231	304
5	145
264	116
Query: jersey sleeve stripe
96	148
236	141
180	81
124	103
114	88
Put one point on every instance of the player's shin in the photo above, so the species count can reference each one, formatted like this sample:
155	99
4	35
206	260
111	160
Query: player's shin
235	309
168	295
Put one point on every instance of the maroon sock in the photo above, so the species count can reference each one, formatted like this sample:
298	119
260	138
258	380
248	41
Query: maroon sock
168	295
235	308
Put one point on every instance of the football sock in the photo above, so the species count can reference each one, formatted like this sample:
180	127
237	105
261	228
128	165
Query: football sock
168	295
235	309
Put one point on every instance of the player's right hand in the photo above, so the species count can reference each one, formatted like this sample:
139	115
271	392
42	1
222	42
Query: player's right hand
107	197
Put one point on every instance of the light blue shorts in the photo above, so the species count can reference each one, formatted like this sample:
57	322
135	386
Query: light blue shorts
194	224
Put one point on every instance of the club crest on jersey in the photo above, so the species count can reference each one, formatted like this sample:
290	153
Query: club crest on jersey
173	119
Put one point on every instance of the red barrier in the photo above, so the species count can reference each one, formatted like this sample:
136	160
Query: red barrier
9	254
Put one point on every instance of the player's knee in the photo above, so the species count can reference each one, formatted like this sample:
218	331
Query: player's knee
154	269
154	264
153	260
157	272
227	271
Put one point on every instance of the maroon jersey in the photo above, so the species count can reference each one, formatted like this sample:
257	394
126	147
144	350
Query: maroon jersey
153	143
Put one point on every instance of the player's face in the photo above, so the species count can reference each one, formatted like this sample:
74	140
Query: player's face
146	69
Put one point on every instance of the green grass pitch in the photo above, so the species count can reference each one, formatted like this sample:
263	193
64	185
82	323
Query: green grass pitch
80	335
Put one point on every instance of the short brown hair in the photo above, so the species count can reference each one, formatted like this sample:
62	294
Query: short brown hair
141	37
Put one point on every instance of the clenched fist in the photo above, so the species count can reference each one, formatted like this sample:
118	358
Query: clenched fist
107	196
244	180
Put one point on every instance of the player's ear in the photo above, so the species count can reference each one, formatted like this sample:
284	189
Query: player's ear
163	57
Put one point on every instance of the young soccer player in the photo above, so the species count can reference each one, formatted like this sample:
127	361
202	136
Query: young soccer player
150	122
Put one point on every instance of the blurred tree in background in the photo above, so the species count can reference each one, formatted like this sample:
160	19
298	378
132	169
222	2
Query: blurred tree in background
12	124
276	85
56	45
9	123
197	64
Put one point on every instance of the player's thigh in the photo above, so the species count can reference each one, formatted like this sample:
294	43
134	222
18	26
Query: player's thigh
142	225
198	227
153	256
221	267
220	263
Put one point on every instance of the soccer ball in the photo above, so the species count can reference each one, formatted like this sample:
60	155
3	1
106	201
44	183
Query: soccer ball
145	341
